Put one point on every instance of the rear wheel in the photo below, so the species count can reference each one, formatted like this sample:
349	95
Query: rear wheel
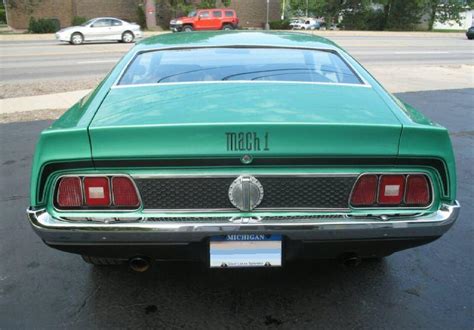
227	27
187	28
127	37
77	38
96	261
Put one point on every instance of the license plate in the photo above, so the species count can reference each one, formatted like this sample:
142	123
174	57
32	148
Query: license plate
245	250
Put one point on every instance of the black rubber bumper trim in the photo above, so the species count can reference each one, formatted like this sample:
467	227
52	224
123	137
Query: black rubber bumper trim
292	249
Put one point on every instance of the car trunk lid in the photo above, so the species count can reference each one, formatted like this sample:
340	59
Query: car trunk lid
201	120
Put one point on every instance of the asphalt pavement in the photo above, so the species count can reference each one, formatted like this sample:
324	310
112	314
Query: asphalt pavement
429	287
47	59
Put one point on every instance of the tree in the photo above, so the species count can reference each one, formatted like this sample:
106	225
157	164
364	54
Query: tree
446	10
329	9
401	14
356	14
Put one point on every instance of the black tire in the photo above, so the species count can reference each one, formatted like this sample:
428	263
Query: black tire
227	27
128	37
77	38
188	28
470	38
96	261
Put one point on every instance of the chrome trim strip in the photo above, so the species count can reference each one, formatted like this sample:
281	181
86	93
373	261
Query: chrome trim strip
221	82
342	55
56	230
242	172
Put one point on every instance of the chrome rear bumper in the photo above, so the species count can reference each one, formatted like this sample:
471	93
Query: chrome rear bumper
60	231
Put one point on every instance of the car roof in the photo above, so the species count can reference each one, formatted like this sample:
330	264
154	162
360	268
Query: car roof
108	18
235	38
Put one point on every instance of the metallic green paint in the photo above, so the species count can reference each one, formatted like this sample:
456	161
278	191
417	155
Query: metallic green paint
190	120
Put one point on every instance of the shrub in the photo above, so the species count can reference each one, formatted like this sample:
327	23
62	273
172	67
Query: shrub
78	20
205	4
43	25
3	17
280	25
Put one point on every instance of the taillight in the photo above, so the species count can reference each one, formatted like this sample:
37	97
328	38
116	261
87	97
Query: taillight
391	189
69	192
124	192
417	191
97	191
365	191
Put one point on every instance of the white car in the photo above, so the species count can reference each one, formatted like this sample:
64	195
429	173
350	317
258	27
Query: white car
296	22
309	24
100	29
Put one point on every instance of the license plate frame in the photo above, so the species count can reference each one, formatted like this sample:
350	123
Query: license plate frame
246	251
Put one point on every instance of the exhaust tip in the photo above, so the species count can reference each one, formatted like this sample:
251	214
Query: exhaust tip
139	264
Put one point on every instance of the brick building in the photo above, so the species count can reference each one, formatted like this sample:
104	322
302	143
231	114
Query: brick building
252	13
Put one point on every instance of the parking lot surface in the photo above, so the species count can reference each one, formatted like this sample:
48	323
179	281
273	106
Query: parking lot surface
427	287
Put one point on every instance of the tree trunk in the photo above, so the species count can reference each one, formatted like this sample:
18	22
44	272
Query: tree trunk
433	8
386	14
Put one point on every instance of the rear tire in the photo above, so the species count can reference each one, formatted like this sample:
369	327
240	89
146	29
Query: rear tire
188	28
127	37
227	27
96	261
77	38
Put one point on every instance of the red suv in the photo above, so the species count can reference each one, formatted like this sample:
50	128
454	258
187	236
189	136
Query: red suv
206	19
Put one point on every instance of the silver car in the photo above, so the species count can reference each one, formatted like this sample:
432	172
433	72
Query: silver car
100	29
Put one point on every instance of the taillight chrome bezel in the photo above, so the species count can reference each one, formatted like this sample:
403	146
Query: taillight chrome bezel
377	206
84	208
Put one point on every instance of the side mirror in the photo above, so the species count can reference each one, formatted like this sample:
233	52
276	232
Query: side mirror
199	17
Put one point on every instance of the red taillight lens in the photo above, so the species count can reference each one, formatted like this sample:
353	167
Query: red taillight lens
417	192
97	192
391	189
69	192
124	192
365	191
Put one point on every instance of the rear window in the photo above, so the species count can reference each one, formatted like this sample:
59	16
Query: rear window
238	64
229	13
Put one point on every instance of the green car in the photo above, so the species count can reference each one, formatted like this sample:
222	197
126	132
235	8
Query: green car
241	149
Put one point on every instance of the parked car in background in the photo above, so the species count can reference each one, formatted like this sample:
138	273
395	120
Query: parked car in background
332	27
241	150
206	19
470	33
309	24
296	22
101	29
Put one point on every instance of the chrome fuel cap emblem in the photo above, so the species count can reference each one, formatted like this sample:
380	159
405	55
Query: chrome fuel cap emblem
246	193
